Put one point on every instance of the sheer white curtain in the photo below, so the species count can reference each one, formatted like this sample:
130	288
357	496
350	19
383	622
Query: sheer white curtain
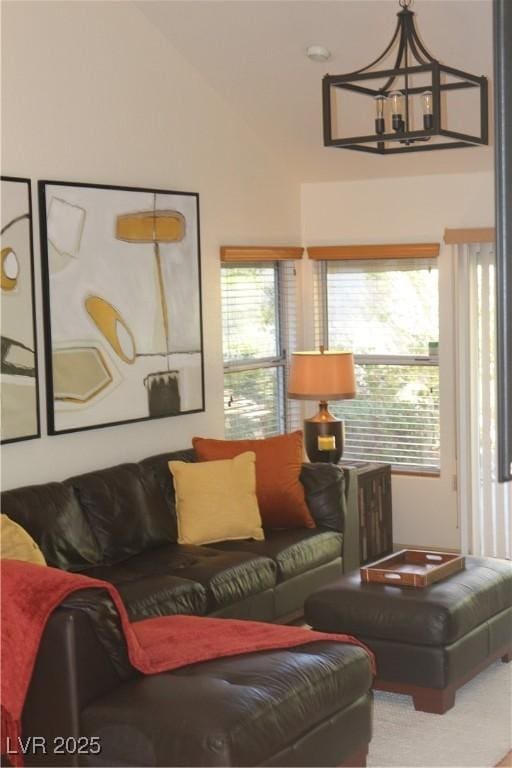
485	506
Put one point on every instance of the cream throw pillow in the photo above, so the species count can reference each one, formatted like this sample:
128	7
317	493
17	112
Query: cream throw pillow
216	500
17	544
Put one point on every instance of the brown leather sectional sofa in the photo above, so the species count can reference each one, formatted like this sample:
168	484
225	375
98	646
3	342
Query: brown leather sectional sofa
119	524
304	706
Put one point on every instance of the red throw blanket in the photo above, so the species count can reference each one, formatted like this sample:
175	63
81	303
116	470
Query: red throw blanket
31	592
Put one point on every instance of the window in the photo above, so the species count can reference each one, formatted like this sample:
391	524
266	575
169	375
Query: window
258	326
485	505
386	312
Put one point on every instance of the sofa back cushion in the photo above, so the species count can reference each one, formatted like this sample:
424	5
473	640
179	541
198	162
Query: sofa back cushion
127	514
158	479
50	513
324	487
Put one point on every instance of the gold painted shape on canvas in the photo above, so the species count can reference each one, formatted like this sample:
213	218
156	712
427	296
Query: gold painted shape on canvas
151	227
107	318
7	283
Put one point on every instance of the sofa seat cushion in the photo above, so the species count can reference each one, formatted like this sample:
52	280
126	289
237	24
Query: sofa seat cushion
169	579
228	577
437	615
232	711
294	552
146	592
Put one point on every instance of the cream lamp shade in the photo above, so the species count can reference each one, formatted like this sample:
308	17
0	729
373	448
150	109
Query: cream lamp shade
322	375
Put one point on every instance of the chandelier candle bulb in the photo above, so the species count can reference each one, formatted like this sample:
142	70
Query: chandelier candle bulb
397	105
380	100
428	119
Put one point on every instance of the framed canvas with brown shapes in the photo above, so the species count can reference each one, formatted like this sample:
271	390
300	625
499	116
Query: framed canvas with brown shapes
19	374
122	304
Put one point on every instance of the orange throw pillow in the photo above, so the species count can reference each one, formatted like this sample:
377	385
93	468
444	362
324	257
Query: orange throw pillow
278	464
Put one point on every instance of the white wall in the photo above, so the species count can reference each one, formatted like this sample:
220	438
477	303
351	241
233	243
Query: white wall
91	92
414	209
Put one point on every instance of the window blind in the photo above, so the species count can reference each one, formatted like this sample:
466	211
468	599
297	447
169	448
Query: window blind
259	331
250	313
485	506
386	312
394	417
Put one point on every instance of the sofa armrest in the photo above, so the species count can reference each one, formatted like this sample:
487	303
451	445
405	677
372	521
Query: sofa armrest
74	666
351	558
324	488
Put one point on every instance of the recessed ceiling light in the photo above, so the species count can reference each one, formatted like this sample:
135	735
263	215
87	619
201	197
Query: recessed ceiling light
318	53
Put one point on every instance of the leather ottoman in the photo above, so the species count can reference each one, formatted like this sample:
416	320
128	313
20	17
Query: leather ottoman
427	641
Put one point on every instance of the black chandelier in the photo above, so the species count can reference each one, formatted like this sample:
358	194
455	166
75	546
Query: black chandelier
408	103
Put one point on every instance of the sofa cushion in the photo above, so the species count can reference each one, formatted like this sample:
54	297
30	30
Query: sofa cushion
224	578
278	465
232	711
216	500
127	514
158	480
148	592
324	487
293	551
50	513
228	577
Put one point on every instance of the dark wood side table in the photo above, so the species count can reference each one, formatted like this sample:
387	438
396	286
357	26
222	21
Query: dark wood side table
371	484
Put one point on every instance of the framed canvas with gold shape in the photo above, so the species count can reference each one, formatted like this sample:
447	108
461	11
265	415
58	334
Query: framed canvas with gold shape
122	304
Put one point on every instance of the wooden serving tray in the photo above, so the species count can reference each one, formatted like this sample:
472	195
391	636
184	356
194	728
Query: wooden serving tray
413	568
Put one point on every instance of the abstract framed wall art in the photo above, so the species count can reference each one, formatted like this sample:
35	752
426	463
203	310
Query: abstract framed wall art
122	304
19	383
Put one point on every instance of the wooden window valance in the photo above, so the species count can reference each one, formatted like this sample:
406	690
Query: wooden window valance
470	235
386	251
250	253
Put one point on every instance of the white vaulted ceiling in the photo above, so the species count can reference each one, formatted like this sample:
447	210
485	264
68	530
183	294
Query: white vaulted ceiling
252	52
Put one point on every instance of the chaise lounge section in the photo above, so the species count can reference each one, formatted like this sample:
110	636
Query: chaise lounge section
306	706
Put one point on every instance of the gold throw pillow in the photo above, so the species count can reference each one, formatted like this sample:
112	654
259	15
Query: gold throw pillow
17	544
216	500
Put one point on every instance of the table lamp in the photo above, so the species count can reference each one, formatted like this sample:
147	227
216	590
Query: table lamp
322	375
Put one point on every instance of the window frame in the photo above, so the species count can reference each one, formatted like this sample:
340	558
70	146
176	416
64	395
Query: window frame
278	361
373	359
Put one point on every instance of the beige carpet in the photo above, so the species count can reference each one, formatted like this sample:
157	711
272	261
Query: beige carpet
476	732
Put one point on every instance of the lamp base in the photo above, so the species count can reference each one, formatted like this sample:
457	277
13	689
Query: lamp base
324	436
